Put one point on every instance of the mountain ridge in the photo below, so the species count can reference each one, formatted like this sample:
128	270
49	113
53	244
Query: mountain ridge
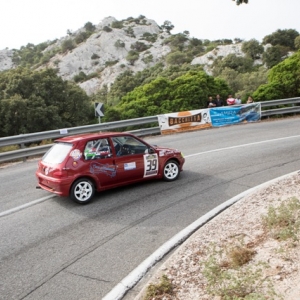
112	48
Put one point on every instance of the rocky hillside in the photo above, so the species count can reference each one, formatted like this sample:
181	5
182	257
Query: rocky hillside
104	52
114	47
6	59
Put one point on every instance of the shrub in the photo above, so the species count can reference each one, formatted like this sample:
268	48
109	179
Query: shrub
283	221
117	24
107	29
245	282
81	37
119	44
111	62
95	56
150	37
163	288
132	56
148	59
139	47
67	45
80	77
129	31
89	27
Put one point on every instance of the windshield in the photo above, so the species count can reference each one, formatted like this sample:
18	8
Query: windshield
57	153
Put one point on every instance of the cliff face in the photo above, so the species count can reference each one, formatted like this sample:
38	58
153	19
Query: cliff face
6	59
104	53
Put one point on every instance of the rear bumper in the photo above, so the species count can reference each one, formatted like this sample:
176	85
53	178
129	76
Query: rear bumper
57	186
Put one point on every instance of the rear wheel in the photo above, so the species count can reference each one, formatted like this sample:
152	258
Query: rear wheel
82	191
171	170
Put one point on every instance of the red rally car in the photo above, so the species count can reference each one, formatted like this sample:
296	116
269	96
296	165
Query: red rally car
78	166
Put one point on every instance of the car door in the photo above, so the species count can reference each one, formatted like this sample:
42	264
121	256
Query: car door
129	158
101	163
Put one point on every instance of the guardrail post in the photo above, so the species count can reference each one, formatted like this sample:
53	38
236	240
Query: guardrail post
23	147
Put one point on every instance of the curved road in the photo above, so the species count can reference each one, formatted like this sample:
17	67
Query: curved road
52	248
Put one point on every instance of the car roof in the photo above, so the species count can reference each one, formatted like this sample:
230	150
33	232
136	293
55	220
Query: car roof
90	136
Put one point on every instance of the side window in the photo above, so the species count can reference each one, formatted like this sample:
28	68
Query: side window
128	145
97	149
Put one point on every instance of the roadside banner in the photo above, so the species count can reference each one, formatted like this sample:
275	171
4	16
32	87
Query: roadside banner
184	121
229	115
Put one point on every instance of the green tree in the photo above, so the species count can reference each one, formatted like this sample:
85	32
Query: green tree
274	55
177	58
167	26
253	49
283	80
232	77
31	54
177	41
244	84
297	42
237	63
162	95
238	2
196	43
40	101
90	27
284	38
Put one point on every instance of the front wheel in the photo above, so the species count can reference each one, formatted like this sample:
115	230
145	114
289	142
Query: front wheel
82	191
171	170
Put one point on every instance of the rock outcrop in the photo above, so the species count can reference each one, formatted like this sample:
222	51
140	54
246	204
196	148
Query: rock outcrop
220	51
6	62
104	53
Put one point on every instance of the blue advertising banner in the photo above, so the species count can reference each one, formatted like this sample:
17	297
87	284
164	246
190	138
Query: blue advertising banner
229	115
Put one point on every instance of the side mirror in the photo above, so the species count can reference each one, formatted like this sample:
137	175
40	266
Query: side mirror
151	151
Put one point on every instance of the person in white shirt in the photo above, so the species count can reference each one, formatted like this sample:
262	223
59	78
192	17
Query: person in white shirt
238	100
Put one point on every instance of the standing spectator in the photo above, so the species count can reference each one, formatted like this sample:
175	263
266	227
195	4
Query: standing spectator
219	101
250	100
238	100
230	100
210	102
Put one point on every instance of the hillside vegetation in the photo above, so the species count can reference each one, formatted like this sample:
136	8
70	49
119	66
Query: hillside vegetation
137	68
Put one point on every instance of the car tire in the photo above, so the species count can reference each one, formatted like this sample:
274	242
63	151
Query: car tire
82	191
171	170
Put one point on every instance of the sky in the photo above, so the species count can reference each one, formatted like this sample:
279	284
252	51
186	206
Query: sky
37	21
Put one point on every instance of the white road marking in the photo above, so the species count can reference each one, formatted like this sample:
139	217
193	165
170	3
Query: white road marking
243	145
18	208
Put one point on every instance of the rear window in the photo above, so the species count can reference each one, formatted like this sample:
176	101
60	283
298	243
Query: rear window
57	153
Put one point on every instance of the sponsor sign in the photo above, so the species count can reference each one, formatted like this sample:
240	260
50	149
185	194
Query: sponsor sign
229	115
184	121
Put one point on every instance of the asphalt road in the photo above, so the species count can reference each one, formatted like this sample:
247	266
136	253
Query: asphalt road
56	249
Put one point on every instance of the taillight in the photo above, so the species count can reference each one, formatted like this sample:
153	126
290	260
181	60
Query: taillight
59	173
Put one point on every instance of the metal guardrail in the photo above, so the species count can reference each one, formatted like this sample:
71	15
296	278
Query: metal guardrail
54	134
40	150
280	102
